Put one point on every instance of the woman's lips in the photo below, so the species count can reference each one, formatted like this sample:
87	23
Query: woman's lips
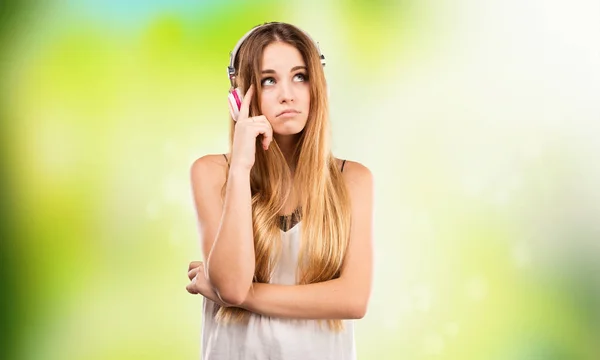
288	113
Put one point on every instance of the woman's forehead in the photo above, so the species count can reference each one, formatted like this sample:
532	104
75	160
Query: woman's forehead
280	56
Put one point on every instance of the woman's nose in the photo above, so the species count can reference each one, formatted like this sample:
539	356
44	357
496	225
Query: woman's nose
286	92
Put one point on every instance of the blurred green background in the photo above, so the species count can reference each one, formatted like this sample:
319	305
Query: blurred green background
478	119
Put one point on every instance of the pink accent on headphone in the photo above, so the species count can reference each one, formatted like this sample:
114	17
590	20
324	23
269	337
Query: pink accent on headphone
237	99
235	103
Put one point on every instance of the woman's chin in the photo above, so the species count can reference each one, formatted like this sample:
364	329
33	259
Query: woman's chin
288	128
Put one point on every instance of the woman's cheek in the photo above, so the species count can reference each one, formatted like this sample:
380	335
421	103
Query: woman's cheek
268	107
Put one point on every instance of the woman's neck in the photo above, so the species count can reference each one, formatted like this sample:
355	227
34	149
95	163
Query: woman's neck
287	145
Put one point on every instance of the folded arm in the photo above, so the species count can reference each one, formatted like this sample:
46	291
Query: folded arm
333	299
226	227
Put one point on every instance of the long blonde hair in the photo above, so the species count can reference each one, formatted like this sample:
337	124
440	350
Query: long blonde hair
318	184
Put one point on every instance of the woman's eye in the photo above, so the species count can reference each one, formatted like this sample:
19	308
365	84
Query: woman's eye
300	77
268	81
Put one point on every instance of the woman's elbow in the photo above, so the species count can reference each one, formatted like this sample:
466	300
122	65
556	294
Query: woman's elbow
232	297
358	311
229	291
359	306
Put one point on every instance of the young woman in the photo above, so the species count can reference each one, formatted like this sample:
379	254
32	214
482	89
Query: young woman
286	227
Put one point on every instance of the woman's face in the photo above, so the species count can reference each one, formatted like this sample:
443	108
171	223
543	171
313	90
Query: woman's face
285	98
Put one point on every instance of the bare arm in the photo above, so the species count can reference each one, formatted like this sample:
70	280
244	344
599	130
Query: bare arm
333	299
343	298
225	226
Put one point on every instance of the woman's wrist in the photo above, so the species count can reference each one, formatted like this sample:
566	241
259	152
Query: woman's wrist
239	171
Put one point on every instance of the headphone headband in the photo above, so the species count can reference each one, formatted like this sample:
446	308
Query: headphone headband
233	53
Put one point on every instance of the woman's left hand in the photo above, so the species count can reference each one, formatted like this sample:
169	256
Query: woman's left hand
199	283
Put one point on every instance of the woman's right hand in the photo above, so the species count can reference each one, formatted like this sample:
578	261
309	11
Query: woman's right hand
243	152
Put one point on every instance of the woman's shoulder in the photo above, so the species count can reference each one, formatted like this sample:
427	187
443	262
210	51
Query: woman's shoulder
211	168
352	169
354	173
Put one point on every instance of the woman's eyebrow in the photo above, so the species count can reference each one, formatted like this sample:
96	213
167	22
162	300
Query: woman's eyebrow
270	71
298	68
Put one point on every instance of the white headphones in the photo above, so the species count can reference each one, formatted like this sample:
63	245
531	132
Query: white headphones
235	96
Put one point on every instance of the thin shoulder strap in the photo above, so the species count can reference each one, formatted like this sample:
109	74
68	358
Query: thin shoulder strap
226	159
343	164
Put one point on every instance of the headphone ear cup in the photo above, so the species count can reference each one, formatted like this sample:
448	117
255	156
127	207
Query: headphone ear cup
235	103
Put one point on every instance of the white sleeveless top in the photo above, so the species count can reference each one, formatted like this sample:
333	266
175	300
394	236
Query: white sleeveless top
267	338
